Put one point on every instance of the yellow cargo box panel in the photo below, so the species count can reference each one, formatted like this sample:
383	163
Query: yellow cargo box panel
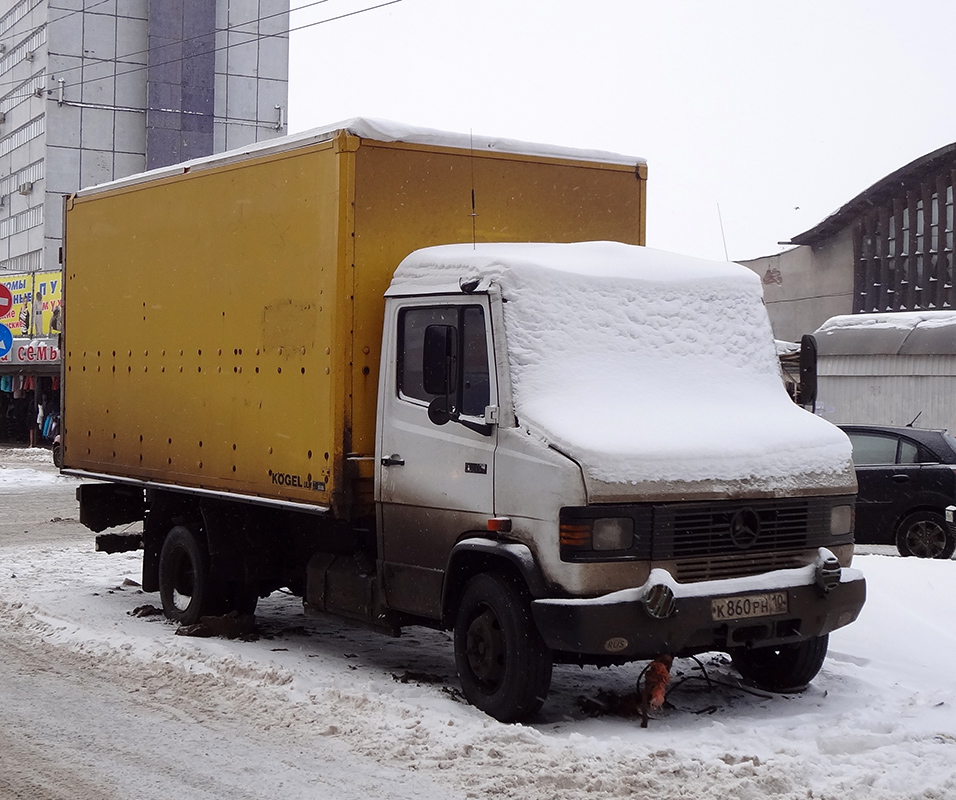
205	345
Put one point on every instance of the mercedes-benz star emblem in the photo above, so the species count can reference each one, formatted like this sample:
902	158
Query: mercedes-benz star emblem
745	528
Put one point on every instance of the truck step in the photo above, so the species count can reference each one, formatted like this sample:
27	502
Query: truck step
119	542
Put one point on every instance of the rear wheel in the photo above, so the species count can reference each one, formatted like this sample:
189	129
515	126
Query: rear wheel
925	534
503	664
184	583
785	668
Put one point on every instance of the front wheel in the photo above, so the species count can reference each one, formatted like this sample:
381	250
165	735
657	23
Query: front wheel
184	584
503	664
785	668
925	534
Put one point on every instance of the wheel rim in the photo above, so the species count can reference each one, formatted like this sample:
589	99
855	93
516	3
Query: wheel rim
926	539
184	582
485	649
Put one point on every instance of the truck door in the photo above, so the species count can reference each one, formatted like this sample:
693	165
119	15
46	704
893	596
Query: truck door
436	470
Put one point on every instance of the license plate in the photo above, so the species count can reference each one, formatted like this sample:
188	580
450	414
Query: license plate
746	606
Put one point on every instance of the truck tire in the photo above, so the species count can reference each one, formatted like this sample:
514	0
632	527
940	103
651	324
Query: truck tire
925	534
503	664
184	582
785	668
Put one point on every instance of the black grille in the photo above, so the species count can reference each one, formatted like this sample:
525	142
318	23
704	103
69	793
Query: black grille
715	568
698	541
699	537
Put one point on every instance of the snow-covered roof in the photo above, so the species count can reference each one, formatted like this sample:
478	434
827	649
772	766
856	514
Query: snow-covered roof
381	131
648	368
891	333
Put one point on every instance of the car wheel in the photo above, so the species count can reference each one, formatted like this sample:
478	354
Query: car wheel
184	584
503	664
925	534
785	668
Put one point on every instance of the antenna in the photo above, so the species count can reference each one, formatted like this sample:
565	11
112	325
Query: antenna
911	424
474	213
720	219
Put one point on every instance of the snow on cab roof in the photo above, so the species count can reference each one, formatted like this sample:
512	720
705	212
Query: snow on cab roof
612	260
378	130
648	368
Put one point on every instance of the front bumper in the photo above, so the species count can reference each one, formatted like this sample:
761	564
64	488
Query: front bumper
664	616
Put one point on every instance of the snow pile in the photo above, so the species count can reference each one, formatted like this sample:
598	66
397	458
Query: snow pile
878	723
16	478
647	367
897	320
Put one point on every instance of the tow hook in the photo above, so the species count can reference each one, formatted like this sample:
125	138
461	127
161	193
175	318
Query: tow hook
828	571
659	602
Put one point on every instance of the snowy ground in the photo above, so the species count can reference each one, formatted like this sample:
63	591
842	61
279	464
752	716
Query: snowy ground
98	703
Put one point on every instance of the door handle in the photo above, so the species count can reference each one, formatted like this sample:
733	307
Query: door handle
394	460
901	479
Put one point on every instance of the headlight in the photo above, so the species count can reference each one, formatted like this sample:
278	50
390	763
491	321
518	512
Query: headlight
615	533
841	520
586	538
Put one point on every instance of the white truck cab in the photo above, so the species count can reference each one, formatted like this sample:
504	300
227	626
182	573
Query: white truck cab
585	452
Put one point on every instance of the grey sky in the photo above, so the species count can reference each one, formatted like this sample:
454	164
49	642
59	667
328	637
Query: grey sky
778	112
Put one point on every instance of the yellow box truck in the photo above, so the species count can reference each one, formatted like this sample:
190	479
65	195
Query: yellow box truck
476	439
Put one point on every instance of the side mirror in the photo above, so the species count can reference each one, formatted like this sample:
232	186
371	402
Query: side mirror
440	359
808	371
438	413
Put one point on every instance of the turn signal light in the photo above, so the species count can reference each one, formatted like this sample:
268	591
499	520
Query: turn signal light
576	534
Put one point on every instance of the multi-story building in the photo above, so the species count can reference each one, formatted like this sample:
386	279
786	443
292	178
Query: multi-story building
96	90
93	90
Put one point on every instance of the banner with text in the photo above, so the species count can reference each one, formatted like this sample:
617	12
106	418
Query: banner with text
37	307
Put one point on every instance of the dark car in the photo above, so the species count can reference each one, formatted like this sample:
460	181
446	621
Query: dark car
907	477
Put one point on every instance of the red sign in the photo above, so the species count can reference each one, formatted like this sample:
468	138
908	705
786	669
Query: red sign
6	300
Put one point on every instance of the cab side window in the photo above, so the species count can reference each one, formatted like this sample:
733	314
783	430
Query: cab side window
412	323
471	392
475	390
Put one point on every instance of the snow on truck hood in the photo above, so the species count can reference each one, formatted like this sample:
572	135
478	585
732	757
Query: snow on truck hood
655	372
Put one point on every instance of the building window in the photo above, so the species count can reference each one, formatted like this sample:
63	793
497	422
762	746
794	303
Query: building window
903	249
15	14
34	128
31	218
24	91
